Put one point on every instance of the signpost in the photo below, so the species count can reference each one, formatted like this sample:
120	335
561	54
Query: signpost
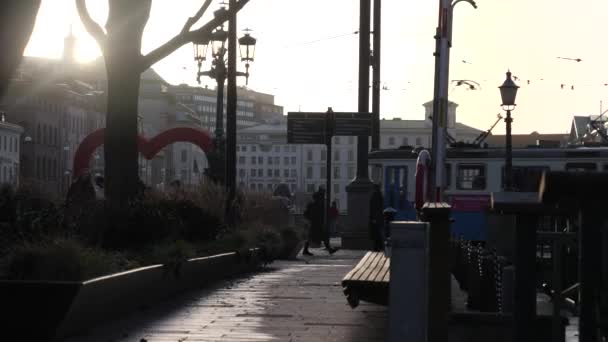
319	128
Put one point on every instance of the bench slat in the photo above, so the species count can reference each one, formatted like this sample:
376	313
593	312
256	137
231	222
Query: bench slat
351	274
378	257
377	277
377	268
364	269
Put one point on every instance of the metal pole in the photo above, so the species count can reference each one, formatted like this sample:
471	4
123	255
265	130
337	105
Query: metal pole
376	75
231	107
508	155
435	111
220	74
364	62
329	123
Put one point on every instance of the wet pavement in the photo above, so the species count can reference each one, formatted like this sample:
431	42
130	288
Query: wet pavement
292	301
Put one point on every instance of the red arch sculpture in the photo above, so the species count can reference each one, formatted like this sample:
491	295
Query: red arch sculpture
148	148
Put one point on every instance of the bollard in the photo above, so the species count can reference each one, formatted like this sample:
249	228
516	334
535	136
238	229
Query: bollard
439	278
408	285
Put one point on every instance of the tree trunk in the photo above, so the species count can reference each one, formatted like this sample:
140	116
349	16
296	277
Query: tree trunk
17	19
126	22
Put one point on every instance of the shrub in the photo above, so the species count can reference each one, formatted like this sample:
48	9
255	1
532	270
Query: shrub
62	259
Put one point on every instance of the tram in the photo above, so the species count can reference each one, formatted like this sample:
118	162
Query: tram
472	174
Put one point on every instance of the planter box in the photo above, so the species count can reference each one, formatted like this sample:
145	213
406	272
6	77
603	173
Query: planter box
47	310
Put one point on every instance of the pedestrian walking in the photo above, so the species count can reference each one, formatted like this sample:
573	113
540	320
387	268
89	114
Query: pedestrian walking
314	213
376	219
333	218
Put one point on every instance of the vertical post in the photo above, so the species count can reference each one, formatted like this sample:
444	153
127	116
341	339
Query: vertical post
329	128
231	106
376	75
524	312
364	63
219	112
508	154
589	271
439	279
435	111
556	255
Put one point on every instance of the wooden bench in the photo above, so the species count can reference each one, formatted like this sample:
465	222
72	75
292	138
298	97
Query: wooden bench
368	281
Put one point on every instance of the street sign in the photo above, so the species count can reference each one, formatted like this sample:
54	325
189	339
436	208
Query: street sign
353	124
306	128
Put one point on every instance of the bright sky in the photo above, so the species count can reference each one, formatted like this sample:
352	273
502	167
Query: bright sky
298	62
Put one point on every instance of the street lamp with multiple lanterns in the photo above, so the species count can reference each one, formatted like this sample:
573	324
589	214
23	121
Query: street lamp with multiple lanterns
219	71
508	92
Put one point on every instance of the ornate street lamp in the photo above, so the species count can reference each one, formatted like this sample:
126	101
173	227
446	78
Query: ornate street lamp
508	92
247	49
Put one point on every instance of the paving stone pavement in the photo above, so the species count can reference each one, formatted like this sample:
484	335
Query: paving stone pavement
293	301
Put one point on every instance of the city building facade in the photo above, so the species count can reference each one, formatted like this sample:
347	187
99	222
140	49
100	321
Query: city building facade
265	160
10	147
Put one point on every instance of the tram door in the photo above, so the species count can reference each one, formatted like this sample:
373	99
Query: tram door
396	192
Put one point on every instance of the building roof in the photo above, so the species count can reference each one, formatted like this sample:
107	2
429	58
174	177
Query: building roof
579	125
525	140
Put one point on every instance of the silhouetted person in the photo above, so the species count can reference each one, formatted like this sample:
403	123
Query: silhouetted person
333	218
376	218
317	232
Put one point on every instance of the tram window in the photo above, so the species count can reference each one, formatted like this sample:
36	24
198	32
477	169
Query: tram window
525	178
578	167
471	177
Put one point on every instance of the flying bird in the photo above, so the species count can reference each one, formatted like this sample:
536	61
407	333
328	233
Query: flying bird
571	59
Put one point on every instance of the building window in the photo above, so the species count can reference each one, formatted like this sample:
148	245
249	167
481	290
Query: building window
293	173
285	173
285	160
277	148
244	148
277	160
323	172
309	172
253	160
336	172
260	186
252	172
351	155
293	148
260	160
337	155
277	173
391	141
252	186
286	148
241	160
269	160
309	155
337	140
260	172
471	177
351	172
336	189
310	188
404	142
254	148
323	154
184	156
242	173
293	160
418	141
269	173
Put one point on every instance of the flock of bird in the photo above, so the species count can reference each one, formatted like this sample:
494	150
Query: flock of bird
472	85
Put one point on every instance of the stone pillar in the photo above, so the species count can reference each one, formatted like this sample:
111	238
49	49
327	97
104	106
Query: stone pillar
408	286
356	231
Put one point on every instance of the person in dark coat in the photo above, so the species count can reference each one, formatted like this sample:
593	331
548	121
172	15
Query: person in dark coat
376	218
317	231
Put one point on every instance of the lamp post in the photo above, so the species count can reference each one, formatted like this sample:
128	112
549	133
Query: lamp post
508	91
443	37
219	72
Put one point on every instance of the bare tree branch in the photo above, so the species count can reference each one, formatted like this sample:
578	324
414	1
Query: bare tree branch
187	37
90	25
192	20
